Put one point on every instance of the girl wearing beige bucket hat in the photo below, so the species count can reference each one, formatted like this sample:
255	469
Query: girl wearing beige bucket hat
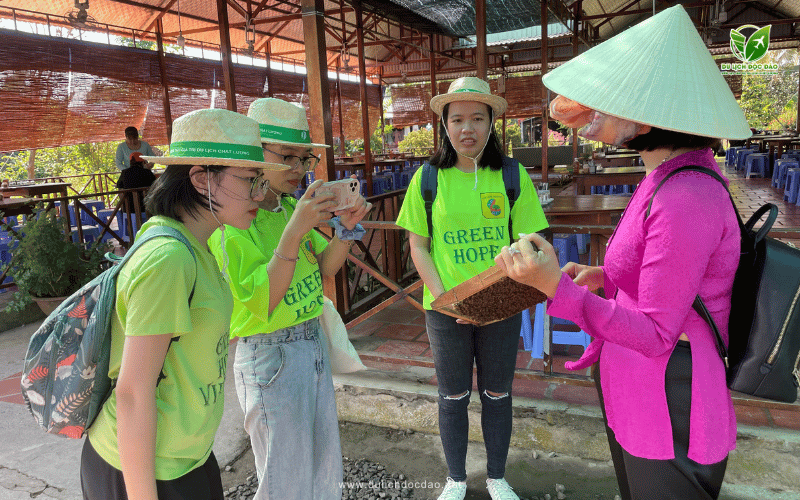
469	223
283	372
654	88
153	437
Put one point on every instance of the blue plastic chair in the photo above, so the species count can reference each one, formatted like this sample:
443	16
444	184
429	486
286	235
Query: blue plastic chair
741	157
730	155
792	185
781	170
756	163
124	231
566	246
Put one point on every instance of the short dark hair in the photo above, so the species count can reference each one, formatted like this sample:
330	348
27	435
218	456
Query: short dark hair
446	156
174	190
660	138
131	132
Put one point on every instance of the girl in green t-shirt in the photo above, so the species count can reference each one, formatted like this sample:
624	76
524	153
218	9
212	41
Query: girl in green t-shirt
470	224
153	437
282	369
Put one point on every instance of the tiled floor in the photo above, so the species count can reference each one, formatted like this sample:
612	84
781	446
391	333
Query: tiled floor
395	339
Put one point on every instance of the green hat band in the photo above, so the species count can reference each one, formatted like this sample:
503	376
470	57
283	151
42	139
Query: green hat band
468	90
203	149
275	133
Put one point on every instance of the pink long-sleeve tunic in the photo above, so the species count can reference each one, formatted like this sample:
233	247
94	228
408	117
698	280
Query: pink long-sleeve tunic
688	245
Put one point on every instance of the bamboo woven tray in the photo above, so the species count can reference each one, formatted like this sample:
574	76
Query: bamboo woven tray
488	297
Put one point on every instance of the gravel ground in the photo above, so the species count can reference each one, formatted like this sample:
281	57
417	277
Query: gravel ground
403	464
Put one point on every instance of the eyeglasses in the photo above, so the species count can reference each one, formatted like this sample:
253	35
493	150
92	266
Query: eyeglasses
258	184
308	163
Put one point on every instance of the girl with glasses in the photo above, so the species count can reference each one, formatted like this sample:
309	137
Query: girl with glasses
282	369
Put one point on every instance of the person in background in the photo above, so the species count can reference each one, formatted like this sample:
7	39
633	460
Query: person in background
135	176
671	422
282	367
152	439
471	202
132	145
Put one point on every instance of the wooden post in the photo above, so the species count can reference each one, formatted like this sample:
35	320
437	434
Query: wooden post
319	99
32	164
269	68
545	110
575	41
381	90
164	86
435	119
362	85
225	50
480	36
339	101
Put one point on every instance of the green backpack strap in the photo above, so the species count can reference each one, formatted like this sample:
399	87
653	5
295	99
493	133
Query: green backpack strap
149	234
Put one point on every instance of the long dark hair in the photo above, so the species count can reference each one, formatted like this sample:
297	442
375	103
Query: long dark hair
446	155
174	190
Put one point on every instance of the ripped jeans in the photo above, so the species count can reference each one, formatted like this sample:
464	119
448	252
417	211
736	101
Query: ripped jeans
493	349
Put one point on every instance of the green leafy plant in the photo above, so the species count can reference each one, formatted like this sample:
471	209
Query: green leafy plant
45	263
417	142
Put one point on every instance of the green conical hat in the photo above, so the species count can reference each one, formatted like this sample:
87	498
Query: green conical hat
658	72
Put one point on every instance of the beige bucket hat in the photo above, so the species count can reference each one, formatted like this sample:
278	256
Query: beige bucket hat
469	88
282	122
659	73
215	137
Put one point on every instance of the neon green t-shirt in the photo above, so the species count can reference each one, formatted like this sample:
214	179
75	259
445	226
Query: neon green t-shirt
249	252
152	298
470	226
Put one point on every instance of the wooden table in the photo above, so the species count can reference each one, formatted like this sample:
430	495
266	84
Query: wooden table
390	163
18	206
587	210
37	190
611	176
777	143
414	158
616	160
350	166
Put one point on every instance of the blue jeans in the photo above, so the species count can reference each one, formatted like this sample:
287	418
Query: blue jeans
493	349
284	384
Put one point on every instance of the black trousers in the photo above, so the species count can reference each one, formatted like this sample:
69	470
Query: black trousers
679	478
101	481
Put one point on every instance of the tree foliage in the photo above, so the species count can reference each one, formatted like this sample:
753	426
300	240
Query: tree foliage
770	101
90	158
513	134
417	142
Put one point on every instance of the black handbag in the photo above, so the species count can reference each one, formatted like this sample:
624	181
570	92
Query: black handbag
763	355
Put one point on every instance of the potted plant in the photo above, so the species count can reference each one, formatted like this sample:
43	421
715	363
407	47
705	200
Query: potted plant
46	265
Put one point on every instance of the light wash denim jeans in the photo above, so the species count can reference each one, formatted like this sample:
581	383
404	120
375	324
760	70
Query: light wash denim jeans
284	384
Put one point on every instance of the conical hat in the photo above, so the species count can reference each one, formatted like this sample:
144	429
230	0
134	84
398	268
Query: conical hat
658	72
215	137
282	122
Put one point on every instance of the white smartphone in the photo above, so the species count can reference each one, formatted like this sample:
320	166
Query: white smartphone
347	192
